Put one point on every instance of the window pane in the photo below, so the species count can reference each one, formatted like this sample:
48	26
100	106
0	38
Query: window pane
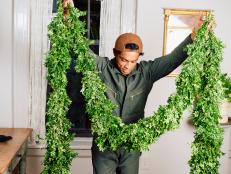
94	19
82	5
77	112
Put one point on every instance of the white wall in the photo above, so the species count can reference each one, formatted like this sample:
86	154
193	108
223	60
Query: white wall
6	63
14	63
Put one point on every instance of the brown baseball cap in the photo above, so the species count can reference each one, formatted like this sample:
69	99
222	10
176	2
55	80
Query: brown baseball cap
128	38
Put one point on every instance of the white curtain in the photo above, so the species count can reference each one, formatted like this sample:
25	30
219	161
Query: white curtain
117	17
41	13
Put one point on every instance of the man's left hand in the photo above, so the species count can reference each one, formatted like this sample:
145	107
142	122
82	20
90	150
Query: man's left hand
199	19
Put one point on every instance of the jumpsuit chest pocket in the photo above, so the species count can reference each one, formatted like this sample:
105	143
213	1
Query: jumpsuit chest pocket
137	94
111	93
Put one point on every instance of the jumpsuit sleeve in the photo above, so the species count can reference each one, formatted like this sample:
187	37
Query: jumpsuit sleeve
164	65
101	62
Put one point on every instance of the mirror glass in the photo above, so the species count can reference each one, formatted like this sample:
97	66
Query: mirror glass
178	24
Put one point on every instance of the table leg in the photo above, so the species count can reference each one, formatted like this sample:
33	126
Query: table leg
22	164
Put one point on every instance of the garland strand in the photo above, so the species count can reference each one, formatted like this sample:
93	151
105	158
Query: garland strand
209	135
58	155
200	78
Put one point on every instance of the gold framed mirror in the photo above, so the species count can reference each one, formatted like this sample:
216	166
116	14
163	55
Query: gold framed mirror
178	24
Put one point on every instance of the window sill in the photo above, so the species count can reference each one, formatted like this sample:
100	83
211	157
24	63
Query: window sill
82	143
79	143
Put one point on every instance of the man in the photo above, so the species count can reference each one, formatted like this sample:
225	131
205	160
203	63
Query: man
128	85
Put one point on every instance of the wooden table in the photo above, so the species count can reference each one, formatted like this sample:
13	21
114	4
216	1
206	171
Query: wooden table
13	152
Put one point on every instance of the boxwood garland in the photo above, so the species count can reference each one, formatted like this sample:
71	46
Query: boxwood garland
200	82
204	54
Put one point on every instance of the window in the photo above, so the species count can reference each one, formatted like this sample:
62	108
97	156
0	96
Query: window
92	19
178	24
76	112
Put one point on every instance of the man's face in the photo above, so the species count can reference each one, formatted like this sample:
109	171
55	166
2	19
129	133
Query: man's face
126	61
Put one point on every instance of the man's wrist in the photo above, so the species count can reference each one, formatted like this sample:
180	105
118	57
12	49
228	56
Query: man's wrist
193	34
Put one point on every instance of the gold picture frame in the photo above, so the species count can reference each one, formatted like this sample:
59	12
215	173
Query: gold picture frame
178	23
